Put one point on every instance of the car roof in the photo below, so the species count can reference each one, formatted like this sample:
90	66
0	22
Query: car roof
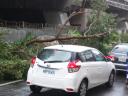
72	48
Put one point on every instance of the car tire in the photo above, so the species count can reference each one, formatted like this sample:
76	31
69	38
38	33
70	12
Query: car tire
83	88
111	80
35	89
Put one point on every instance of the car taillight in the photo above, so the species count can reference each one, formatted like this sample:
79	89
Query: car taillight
112	58
72	67
33	61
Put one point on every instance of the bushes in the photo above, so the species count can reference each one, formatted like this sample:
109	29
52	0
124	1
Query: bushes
13	69
12	65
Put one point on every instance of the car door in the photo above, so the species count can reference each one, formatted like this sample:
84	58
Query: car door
102	65
91	67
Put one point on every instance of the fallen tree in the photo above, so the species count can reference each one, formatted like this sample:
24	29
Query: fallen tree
67	38
98	30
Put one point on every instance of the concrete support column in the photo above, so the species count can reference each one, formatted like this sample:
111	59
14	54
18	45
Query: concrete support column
63	18
81	20
55	18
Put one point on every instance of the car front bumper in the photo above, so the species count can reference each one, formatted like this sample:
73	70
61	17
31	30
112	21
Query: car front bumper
121	67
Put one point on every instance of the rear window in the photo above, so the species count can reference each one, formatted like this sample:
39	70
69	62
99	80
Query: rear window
55	55
120	49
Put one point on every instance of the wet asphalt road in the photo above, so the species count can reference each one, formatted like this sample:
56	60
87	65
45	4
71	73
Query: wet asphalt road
20	89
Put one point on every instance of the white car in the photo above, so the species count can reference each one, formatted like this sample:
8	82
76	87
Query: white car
71	68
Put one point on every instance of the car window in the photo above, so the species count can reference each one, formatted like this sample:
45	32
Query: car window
87	56
120	49
78	57
54	55
98	55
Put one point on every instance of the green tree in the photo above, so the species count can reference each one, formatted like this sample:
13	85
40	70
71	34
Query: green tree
100	21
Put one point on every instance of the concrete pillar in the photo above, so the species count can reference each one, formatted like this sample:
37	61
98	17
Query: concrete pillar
81	20
63	18
55	18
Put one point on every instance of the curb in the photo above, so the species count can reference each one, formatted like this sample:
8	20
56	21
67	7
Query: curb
12	82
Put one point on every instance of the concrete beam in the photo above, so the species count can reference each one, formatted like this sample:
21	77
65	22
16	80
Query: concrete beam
117	4
39	4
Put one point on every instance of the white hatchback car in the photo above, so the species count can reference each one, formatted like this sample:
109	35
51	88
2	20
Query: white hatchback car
71	68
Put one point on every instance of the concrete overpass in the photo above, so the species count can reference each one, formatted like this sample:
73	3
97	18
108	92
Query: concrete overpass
120	7
52	12
48	12
33	10
38	4
121	4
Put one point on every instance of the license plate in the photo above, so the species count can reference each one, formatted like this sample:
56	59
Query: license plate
122	59
48	71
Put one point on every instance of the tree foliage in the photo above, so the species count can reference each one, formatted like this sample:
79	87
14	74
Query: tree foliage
12	65
99	21
99	5
124	37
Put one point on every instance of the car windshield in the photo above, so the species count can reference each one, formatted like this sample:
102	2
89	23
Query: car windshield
53	55
120	49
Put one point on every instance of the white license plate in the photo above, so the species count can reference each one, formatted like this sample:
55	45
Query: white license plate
48	71
122	59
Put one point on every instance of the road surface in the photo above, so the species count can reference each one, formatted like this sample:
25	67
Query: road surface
20	89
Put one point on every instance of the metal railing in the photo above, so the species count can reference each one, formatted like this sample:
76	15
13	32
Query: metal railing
22	24
15	24
122	4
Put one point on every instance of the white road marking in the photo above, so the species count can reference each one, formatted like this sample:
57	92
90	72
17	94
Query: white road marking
10	82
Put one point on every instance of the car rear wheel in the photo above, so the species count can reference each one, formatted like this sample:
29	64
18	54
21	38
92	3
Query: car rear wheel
82	89
35	89
111	80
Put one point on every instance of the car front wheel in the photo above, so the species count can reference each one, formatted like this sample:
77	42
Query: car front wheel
111	80
82	89
35	89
